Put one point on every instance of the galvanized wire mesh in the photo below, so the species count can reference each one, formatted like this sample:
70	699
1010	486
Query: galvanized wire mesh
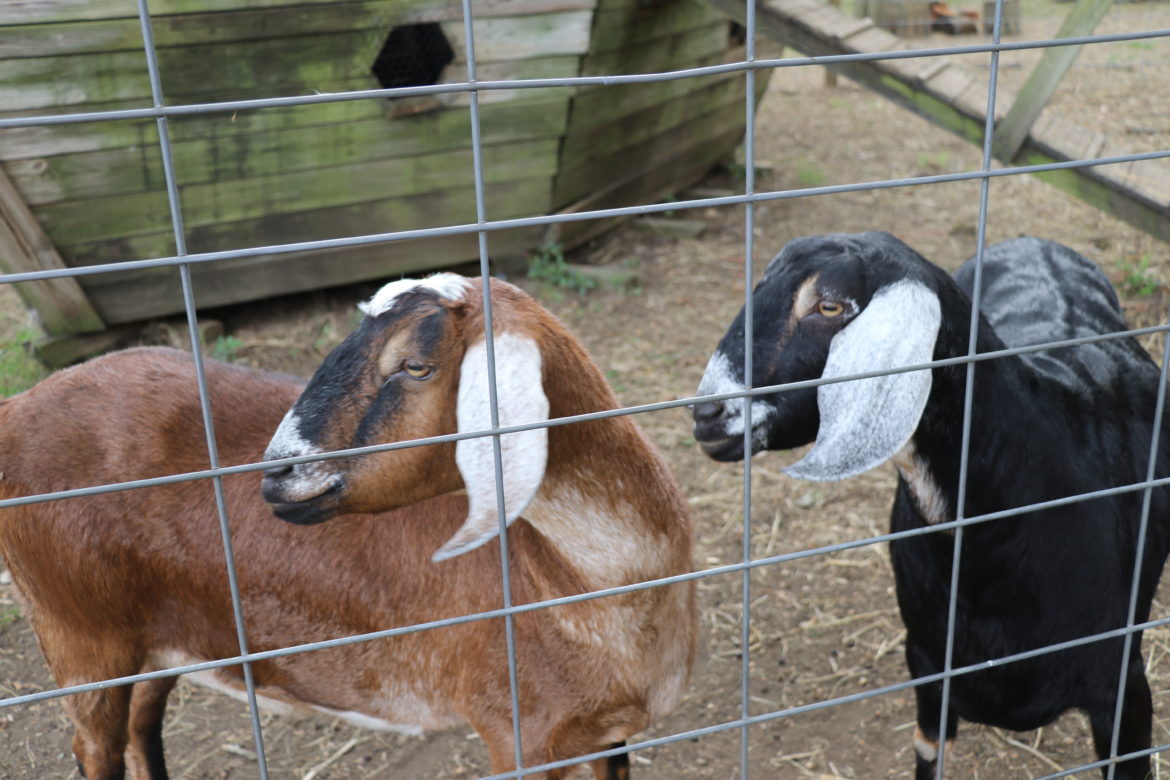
483	227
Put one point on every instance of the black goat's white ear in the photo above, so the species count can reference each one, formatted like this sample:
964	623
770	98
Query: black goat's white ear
866	421
521	399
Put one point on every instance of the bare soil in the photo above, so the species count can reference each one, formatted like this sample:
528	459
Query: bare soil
821	627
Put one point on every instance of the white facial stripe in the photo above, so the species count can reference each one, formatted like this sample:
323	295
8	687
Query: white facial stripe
307	479
720	377
449	286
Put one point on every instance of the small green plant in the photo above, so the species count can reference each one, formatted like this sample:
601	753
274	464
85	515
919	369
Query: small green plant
1138	281
19	370
809	175
615	380
9	614
226	348
934	161
548	264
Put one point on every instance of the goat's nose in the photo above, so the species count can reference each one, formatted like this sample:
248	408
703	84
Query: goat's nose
277	472
707	411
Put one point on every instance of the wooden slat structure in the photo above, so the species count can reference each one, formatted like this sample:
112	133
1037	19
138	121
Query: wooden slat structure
953	98
96	194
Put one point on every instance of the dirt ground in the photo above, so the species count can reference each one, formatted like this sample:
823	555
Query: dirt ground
821	627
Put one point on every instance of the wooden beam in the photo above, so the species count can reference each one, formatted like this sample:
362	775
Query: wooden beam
60	303
1045	78
953	98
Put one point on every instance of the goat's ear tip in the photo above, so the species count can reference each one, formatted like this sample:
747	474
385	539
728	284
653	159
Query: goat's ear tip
470	536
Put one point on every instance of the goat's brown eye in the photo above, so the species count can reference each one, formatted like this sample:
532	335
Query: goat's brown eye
416	369
830	308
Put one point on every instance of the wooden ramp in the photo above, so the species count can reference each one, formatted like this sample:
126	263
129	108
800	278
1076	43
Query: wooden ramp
951	96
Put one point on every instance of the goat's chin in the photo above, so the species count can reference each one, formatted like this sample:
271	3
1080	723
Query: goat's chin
726	450
303	512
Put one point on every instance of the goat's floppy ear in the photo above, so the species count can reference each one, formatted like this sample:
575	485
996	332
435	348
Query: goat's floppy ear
521	399
866	421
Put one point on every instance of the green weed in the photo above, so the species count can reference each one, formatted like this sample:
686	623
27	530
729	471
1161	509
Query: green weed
809	175
1138	281
18	369
548	264
226	348
9	614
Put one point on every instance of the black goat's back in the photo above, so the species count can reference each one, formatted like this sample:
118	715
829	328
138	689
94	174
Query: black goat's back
1036	291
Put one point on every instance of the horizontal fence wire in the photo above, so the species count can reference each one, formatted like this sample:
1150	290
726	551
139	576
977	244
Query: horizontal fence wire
483	227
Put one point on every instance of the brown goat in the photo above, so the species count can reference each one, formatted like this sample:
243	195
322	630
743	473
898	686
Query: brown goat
126	582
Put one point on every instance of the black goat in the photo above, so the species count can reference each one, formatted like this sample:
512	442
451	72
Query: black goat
1045	425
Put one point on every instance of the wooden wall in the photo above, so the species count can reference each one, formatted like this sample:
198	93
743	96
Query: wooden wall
282	175
639	143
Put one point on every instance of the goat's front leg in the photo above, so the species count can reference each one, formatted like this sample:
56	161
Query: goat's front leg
929	708
1136	722
612	767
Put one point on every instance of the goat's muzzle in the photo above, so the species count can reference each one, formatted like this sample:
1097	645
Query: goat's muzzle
711	432
308	511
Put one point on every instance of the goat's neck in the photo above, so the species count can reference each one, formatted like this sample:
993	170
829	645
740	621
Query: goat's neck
1007	425
602	508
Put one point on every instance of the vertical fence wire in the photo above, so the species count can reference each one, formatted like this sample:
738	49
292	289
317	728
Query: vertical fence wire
968	399
749	165
493	400
1139	556
748	199
178	228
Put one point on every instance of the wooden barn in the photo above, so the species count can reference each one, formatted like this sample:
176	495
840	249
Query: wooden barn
90	193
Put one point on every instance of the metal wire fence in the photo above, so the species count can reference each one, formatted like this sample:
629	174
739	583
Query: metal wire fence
483	227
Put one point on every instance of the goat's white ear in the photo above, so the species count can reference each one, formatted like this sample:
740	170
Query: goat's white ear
521	399
866	421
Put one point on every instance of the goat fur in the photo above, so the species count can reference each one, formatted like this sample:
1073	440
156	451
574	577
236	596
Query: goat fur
1044	426
127	582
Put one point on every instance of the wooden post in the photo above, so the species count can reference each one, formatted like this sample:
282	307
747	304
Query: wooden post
60	303
1045	78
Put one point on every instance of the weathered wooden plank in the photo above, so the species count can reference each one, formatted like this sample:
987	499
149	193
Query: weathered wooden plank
500	121
45	180
1082	19
502	38
526	197
604	104
119	216
250	69
950	101
49	11
132	296
60	304
631	26
589	144
671	52
522	37
673	174
643	158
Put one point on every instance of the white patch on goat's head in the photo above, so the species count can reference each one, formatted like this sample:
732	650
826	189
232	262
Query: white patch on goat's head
721	376
307	480
449	286
520	399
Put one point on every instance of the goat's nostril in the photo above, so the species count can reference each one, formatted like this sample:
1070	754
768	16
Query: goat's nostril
277	472
707	411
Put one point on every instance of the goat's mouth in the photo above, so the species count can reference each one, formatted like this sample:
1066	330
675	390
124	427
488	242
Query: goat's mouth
726	449
311	511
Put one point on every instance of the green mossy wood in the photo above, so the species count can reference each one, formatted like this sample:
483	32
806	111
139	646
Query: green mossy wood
256	178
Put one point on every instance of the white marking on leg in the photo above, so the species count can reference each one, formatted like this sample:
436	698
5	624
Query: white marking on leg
927	749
